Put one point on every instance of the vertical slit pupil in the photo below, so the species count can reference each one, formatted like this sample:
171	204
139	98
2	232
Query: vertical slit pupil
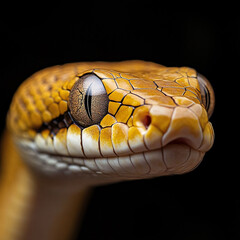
88	101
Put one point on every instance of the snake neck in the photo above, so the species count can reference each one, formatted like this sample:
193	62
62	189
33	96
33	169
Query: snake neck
31	208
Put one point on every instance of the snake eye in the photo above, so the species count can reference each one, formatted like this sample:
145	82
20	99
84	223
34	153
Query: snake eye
207	93
88	100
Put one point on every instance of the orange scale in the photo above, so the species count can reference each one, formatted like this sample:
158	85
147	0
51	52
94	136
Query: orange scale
118	95
124	83
183	101
192	98
64	94
124	113
47	116
183	81
133	100
165	83
63	106
71	83
40	106
110	85
35	119
161	100
107	121
103	73
142	83
113	107
194	83
173	91
54	110
120	139
147	93
48	101
127	76
106	145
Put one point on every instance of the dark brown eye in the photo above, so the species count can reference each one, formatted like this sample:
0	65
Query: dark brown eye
88	100
207	93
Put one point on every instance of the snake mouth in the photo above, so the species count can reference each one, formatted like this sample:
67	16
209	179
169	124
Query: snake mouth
176	157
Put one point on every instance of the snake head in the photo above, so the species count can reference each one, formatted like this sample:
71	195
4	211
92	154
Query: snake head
113	121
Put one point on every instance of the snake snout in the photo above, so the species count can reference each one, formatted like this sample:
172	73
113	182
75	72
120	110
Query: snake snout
183	135
179	125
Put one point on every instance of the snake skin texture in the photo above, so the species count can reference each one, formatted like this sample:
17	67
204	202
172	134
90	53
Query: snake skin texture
155	124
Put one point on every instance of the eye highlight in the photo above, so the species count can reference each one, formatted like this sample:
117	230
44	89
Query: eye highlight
88	100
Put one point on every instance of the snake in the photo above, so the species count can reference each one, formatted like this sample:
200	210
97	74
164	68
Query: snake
78	125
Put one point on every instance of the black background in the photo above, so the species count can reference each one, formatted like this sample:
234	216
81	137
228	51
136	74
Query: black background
203	204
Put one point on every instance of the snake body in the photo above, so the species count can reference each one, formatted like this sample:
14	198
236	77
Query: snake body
78	125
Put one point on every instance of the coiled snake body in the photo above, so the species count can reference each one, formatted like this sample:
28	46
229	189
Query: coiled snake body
74	126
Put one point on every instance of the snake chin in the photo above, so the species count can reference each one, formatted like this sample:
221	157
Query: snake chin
176	157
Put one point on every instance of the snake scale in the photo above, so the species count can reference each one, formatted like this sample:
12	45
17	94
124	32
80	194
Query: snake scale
78	125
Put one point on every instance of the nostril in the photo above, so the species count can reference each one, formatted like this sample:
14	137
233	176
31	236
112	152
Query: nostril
146	121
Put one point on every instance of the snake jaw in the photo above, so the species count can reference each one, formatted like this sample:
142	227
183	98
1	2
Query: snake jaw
149	164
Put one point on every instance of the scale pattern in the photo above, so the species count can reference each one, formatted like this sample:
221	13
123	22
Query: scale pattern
147	105
44	96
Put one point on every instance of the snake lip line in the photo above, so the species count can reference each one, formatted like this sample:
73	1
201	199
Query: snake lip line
173	158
